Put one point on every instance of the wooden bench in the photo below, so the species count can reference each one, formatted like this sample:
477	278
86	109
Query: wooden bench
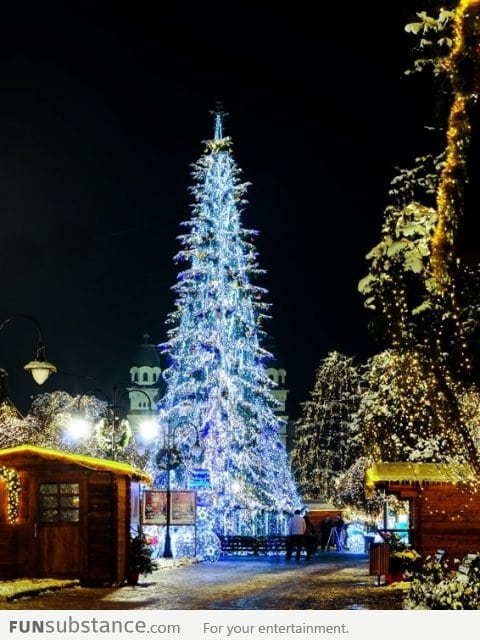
252	545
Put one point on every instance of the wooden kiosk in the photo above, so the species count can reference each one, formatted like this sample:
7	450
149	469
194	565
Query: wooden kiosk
444	503
65	515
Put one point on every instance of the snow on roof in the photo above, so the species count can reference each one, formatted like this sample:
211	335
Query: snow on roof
120	468
409	472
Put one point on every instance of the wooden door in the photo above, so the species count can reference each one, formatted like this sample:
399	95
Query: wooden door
58	531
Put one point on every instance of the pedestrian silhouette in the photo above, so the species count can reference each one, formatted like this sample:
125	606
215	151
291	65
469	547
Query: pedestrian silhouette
296	531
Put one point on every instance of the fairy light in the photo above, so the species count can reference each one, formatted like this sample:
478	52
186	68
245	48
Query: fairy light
453	176
323	444
12	479
216	375
419	416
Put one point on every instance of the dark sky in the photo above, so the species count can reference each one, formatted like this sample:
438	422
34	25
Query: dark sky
102	112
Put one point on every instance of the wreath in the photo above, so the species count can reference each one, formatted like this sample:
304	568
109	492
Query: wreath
168	458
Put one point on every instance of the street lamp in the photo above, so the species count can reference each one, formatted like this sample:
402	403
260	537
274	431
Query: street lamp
39	368
78	426
170	457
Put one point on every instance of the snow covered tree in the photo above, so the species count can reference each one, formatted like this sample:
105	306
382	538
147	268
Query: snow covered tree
216	374
323	445
417	282
80	424
404	415
349	494
14	428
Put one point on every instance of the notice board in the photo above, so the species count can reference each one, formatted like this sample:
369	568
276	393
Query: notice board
182	507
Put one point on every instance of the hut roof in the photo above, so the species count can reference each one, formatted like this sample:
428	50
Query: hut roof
120	468
410	472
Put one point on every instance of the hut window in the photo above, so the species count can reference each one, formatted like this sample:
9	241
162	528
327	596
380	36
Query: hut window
60	502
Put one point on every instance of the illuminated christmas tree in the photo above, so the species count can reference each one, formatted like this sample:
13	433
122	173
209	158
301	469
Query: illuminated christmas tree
217	386
323	444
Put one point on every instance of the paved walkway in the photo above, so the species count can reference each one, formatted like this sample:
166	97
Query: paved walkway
328	581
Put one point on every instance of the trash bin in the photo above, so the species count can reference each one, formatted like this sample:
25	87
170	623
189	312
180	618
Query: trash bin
379	559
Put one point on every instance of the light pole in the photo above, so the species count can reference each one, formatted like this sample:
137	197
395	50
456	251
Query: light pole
169	457
39	368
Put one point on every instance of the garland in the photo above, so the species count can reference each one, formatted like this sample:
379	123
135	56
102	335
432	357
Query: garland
13	487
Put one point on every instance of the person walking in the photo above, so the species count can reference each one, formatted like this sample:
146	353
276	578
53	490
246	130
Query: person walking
296	531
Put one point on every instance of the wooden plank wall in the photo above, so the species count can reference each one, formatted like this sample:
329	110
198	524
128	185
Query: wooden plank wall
122	526
101	539
449	518
59	551
443	516
15	538
15	544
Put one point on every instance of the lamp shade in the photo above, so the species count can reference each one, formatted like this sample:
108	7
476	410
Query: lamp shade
197	449
40	370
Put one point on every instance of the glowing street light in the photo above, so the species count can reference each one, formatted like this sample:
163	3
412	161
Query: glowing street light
115	425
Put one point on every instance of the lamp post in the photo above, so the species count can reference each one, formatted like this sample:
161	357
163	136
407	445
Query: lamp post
111	415
169	457
39	368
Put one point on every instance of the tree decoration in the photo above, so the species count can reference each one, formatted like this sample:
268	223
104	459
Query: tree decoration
323	446
13	490
405	414
465	80
417	283
112	435
52	413
216	374
14	428
348	493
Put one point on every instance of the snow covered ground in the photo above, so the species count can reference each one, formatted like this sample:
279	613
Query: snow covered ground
330	581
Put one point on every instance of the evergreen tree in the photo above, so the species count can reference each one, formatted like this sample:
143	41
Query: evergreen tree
217	386
403	416
14	428
80	424
417	283
323	446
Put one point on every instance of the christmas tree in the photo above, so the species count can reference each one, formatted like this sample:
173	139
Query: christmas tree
217	388
323	446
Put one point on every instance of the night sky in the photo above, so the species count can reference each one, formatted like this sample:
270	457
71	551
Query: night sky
102	112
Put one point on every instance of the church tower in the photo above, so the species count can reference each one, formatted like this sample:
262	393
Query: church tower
145	383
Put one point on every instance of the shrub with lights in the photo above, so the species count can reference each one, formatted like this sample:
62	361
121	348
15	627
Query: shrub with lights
436	586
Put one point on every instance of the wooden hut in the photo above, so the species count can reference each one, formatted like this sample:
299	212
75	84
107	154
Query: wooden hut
65	515
444	503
